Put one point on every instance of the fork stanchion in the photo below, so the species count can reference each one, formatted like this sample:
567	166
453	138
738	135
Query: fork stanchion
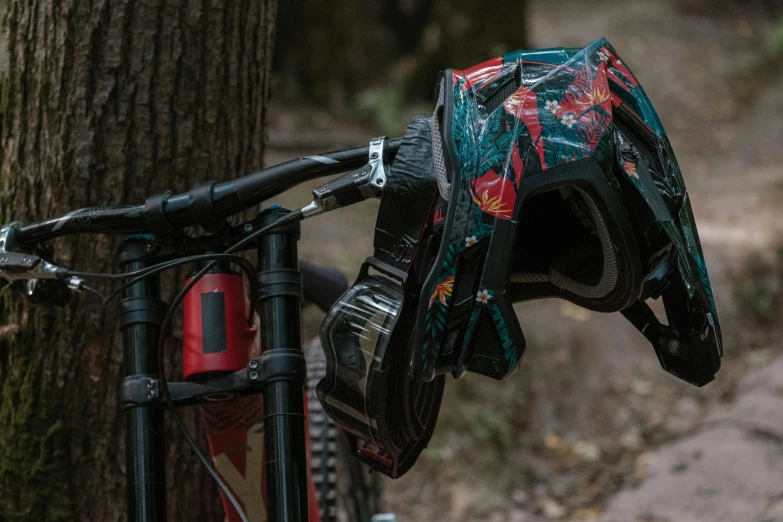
145	451
279	305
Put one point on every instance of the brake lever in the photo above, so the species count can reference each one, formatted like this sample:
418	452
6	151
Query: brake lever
37	279
353	187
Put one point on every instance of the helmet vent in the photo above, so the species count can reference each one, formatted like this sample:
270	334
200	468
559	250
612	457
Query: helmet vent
441	174
499	96
469	274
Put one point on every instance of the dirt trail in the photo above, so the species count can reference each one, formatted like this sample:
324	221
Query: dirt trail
728	469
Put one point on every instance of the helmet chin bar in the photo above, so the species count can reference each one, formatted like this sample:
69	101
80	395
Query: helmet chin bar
691	349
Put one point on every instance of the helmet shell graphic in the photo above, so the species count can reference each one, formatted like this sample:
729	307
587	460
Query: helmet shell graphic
514	121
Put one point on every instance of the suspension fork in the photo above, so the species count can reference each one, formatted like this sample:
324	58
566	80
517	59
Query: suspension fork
285	440
145	453
279	305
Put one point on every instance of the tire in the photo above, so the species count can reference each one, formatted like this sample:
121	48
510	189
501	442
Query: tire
347	489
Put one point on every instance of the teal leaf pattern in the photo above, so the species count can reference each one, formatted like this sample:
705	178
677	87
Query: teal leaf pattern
511	352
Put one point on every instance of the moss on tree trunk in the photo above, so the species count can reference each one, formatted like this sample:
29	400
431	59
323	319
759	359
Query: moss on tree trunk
109	101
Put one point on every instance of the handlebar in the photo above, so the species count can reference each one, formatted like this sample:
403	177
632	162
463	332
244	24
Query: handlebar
225	199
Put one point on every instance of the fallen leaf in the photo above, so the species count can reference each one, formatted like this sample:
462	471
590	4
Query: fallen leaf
631	439
586	514
551	508
587	450
555	443
759	357
642	467
641	386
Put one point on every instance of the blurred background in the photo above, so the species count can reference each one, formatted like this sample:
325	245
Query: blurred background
590	428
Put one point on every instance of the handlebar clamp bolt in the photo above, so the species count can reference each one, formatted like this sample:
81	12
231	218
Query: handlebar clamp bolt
253	364
152	394
253	376
150	384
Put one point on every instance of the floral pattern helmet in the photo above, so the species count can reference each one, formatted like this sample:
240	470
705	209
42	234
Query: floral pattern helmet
556	179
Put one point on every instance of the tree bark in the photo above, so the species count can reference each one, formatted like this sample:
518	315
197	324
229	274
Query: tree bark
106	102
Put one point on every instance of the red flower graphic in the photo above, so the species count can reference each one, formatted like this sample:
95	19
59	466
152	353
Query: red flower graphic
442	291
630	169
494	195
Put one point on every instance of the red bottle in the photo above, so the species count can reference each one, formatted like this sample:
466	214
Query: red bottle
217	339
216	336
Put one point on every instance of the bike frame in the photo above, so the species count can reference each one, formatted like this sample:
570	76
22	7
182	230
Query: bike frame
279	373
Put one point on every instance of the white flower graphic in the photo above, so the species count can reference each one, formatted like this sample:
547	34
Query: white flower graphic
603	56
483	297
470	241
553	106
568	120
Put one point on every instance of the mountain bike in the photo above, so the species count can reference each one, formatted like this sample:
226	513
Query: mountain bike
199	228
541	174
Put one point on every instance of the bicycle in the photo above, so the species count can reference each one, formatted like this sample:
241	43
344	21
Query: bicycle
156	243
469	224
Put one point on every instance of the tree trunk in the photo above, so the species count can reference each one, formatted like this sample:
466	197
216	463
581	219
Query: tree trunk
105	102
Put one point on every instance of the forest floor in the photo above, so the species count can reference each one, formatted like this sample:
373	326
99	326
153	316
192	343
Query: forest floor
591	428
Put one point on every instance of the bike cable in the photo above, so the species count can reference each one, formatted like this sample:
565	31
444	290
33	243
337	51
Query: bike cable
291	217
94	292
139	275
